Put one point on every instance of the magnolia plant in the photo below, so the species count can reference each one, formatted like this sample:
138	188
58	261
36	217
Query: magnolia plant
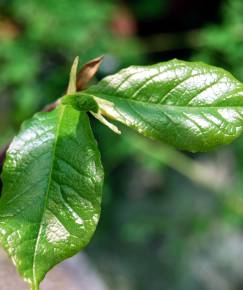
52	175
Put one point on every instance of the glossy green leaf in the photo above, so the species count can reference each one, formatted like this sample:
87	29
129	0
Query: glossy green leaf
50	204
190	105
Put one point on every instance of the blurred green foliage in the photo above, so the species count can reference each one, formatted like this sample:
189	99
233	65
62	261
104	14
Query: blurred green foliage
160	229
144	9
222	44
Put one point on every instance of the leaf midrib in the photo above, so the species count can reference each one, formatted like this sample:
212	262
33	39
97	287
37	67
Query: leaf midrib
109	97
36	283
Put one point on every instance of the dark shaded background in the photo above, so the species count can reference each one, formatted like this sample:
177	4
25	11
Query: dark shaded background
170	220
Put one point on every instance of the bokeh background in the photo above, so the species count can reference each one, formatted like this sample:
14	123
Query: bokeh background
170	220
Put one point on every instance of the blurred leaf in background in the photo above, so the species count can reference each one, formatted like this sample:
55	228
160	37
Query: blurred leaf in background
222	44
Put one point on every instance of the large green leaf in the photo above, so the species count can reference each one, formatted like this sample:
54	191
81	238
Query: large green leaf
51	196
190	105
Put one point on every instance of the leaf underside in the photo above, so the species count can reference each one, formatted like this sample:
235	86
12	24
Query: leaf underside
190	105
52	182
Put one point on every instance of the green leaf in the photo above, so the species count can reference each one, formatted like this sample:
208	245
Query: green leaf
50	204
85	104
190	105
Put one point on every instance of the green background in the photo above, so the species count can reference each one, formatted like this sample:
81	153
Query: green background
170	220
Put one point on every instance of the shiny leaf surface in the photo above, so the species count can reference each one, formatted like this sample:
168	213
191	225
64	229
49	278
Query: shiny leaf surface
190	105
52	182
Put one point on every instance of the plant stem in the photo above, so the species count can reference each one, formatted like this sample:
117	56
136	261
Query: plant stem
193	170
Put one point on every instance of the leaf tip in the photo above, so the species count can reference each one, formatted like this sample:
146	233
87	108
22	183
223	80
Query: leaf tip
87	72
73	76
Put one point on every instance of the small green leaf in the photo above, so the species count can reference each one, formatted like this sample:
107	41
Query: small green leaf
190	105
52	183
85	103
